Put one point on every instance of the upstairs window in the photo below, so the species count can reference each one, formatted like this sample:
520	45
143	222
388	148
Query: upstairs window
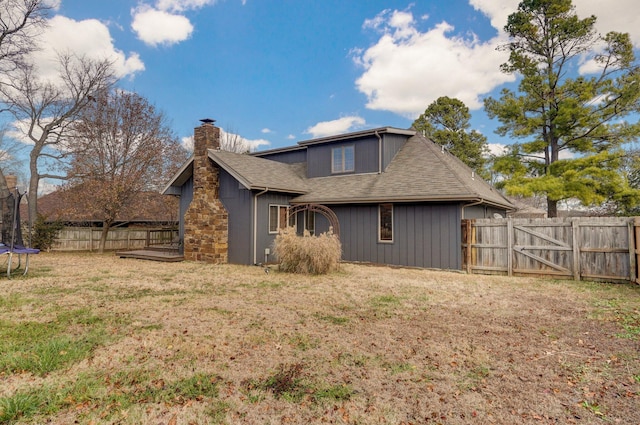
278	218
385	220
343	159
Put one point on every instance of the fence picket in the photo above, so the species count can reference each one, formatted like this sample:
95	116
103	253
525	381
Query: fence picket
83	238
579	248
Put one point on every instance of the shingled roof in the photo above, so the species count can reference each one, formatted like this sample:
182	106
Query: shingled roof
420	171
259	173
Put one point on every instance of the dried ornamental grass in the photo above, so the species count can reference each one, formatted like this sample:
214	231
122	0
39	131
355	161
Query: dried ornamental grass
307	254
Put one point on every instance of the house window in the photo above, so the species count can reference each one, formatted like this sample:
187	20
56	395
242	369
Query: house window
310	222
278	218
343	159
385	221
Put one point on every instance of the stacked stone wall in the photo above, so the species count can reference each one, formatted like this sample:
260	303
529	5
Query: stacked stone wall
206	221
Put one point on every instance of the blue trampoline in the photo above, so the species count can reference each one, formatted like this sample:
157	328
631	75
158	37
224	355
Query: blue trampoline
12	244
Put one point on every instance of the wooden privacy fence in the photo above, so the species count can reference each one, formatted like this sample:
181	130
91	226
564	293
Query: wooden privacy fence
575	248
88	238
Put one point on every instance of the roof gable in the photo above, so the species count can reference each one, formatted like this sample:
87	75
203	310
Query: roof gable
421	171
258	173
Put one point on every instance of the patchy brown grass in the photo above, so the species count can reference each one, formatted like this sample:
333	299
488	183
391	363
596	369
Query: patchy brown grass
187	343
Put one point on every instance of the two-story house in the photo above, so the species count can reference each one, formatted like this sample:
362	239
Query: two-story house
392	195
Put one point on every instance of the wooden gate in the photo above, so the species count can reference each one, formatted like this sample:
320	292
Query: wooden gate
578	248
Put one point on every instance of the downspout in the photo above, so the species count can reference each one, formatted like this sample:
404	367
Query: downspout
472	204
379	152
255	224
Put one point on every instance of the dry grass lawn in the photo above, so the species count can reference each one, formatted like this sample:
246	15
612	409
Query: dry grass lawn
95	339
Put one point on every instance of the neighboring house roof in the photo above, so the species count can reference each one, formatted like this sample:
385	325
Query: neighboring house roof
147	207
525	208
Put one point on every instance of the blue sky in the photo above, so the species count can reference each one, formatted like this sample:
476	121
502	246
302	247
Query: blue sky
279	71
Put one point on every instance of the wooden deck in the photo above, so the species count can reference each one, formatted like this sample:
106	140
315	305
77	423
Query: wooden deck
166	254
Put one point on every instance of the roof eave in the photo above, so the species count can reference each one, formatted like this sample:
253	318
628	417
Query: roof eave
249	185
176	177
243	181
402	199
369	132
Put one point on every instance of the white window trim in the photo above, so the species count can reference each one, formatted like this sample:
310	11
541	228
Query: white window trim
271	232
342	150
380	240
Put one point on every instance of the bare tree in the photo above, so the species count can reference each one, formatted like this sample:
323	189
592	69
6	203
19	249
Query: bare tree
20	23
47	109
233	142
124	148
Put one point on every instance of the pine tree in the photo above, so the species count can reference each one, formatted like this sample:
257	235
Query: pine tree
560	110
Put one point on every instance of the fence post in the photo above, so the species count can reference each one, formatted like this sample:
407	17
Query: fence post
510	237
575	241
636	253
469	242
633	273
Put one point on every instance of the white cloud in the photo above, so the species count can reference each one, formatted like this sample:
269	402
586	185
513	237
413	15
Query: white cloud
53	4
406	70
182	5
618	15
158	27
245	144
291	137
89	38
17	130
496	10
497	149
341	125
248	144
266	130
187	143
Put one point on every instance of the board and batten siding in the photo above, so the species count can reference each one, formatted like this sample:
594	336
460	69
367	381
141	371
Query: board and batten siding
186	196
391	144
287	157
238	202
365	156
263	237
424	235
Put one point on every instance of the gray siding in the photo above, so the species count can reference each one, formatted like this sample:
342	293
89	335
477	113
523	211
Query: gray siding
425	235
238	202
186	195
289	157
264	238
483	211
365	152
391	144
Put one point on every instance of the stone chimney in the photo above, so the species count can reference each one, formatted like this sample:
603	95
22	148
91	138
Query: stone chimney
206	222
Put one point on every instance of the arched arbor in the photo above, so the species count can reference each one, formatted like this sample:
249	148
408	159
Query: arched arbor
334	225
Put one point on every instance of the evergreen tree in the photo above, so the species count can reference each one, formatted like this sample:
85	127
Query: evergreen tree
556	112
446	122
